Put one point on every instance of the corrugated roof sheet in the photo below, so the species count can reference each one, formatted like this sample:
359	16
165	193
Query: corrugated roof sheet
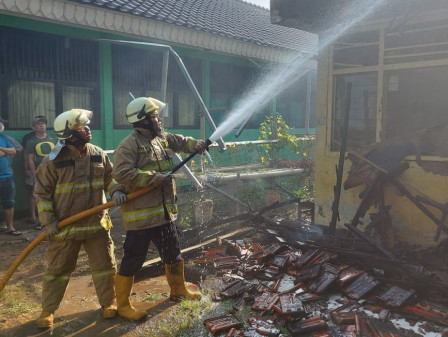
235	19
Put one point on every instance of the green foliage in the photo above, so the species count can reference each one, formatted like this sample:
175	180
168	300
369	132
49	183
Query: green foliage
298	185
15	302
185	217
15	307
275	128
193	308
182	320
155	297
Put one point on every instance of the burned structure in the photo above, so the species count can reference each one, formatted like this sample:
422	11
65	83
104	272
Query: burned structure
319	285
394	55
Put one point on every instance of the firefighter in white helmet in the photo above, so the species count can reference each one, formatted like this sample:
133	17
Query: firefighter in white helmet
141	159
72	179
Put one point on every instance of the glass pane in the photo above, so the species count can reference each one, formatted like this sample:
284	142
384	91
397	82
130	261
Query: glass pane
80	97
422	41
167	118
218	107
76	97
27	96
356	50
187	110
121	100
362	121
417	100
291	103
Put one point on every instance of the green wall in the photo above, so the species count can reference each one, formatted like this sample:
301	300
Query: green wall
108	137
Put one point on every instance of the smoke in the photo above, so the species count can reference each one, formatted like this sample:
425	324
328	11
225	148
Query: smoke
278	79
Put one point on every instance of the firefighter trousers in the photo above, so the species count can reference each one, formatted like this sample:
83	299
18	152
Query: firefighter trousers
62	256
136	244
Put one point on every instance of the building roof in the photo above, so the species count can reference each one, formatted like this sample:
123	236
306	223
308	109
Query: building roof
322	16
233	19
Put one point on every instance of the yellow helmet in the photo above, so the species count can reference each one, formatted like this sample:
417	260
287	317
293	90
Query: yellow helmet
141	107
70	121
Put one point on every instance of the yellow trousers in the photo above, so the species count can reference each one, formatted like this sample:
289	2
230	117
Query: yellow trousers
62	256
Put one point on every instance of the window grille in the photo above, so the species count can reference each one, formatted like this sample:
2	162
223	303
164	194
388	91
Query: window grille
45	74
139	72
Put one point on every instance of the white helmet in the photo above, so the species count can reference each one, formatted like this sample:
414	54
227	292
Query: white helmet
70	121
66	124
142	107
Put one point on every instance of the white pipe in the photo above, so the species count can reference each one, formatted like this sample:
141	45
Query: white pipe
188	173
211	177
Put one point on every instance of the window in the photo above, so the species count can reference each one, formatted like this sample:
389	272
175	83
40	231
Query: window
356	50
416	99
30	96
362	121
139	72
228	83
44	74
292	103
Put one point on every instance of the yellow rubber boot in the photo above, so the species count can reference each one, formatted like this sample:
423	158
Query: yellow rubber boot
45	319
123	287
109	311
176	280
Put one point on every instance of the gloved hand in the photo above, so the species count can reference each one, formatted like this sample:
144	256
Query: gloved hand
201	146
119	198
52	229
168	176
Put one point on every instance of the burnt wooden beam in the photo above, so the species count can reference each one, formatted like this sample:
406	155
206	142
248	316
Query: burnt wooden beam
405	192
372	242
340	166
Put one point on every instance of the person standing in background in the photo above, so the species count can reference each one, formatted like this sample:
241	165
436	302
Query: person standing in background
7	186
18	148
36	148
25	154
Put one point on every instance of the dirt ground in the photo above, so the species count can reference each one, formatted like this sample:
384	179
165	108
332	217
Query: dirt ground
79	313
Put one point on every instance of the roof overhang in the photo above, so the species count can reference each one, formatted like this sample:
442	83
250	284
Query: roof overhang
318	16
312	16
135	27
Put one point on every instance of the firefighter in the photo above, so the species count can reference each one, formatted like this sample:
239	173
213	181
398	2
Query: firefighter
144	158
72	179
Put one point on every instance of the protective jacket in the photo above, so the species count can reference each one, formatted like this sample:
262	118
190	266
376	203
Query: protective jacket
140	160
72	183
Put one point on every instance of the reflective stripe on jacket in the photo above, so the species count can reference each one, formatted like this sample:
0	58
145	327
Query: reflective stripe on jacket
140	160
72	183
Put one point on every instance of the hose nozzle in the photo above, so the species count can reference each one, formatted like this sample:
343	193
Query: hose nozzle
187	159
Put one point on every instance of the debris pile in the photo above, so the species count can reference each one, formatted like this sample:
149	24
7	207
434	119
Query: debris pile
309	291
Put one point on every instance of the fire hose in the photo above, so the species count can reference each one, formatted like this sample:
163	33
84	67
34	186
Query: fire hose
83	215
63	224
191	155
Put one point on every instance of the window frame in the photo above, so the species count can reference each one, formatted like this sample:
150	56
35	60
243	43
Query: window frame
382	69
8	77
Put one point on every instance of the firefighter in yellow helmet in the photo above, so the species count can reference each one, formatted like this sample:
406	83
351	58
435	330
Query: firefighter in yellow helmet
72	179
141	159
